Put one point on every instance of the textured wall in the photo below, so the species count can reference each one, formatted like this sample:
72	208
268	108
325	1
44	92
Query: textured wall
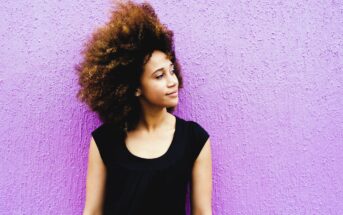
263	77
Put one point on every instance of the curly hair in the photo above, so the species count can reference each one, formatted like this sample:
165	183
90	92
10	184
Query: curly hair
114	59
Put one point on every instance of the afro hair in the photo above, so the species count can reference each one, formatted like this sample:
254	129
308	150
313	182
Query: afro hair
114	59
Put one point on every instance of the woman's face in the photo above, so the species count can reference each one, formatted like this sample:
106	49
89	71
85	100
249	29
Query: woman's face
158	80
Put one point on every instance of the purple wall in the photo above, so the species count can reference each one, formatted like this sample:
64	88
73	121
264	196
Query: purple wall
264	78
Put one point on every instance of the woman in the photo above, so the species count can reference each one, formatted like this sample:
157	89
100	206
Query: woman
142	157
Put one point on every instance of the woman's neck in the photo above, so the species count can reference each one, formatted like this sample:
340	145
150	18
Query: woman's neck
151	122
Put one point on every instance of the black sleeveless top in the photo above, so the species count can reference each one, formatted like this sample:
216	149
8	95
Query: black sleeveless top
137	185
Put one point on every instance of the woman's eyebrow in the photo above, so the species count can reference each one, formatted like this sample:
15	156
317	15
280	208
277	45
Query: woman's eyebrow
171	64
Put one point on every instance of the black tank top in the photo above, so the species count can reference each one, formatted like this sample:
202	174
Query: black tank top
137	185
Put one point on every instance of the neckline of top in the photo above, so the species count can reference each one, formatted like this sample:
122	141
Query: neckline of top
172	144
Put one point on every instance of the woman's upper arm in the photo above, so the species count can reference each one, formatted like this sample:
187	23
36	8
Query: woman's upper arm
201	190
96	180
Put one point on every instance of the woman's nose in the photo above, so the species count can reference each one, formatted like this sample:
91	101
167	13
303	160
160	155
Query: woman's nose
172	81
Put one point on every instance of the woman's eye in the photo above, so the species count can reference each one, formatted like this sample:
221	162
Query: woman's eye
159	77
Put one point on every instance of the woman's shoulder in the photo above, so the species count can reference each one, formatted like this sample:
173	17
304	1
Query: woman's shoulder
194	127
105	130
192	124
198	129
100	129
198	136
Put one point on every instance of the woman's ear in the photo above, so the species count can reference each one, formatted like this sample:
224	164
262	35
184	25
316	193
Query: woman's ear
138	92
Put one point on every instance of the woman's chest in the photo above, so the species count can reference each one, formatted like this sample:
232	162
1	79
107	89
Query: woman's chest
149	146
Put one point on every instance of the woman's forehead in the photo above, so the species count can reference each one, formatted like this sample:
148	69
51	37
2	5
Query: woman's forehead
157	61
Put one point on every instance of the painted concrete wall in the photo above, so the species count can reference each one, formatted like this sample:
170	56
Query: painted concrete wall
263	77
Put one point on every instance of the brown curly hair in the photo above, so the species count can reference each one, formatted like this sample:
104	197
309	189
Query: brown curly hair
114	59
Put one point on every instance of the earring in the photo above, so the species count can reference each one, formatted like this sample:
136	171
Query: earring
137	93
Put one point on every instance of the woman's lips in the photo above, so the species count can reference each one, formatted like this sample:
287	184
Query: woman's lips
173	94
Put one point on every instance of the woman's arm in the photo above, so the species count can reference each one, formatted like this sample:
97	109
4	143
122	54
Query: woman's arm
201	190
95	185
